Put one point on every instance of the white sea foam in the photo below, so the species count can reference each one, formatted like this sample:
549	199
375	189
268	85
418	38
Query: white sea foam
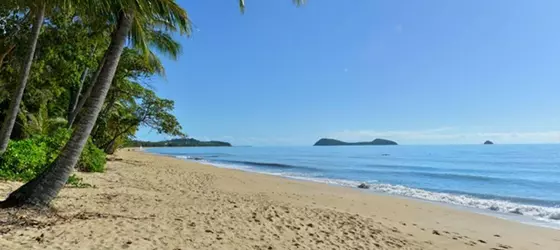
548	214
188	157
339	182
223	165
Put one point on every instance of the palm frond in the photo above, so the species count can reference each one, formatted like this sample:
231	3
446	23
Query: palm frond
242	6
138	36
168	12
155	64
164	43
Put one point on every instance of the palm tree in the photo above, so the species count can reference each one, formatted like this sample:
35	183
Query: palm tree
155	38
77	107
39	13
75	93
131	17
132	66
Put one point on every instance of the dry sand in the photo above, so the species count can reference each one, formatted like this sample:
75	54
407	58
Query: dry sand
145	201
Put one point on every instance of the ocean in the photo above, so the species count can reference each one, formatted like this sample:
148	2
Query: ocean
519	182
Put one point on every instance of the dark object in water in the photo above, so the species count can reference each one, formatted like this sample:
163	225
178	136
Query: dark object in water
488	143
363	186
385	154
516	211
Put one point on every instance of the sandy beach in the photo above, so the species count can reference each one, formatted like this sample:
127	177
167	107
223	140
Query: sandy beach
145	201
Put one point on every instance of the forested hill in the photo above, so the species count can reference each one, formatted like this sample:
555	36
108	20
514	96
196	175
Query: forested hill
186	142
333	142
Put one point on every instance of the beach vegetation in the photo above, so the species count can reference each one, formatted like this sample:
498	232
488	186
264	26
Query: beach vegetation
25	159
77	182
74	85
138	29
36	10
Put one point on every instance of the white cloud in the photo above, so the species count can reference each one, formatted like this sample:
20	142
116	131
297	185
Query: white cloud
449	136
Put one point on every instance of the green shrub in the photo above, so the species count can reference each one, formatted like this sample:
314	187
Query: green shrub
54	142
77	182
92	159
24	159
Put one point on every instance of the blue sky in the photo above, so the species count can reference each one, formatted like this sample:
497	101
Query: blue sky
419	72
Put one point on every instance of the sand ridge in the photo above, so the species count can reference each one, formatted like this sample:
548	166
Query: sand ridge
145	201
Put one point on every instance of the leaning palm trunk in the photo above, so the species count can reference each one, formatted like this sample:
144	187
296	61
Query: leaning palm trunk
82	101
75	94
13	110
43	189
102	116
74	97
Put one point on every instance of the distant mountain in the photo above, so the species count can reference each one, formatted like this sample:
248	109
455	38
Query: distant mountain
184	142
333	142
488	143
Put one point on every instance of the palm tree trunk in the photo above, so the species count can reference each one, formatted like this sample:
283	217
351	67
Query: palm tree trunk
75	94
72	116
43	189
103	114
109	106
13	110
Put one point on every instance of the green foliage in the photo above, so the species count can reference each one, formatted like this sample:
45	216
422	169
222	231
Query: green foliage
62	56
54	142
65	64
92	159
24	159
77	182
130	105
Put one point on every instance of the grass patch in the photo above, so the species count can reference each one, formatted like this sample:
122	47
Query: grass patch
77	182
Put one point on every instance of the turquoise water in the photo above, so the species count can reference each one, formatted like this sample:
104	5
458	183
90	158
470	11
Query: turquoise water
520	180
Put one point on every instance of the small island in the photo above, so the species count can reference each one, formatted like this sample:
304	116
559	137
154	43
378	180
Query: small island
334	142
488	143
182	142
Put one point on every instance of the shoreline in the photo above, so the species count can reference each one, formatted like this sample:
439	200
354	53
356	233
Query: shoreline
147	201
510	216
